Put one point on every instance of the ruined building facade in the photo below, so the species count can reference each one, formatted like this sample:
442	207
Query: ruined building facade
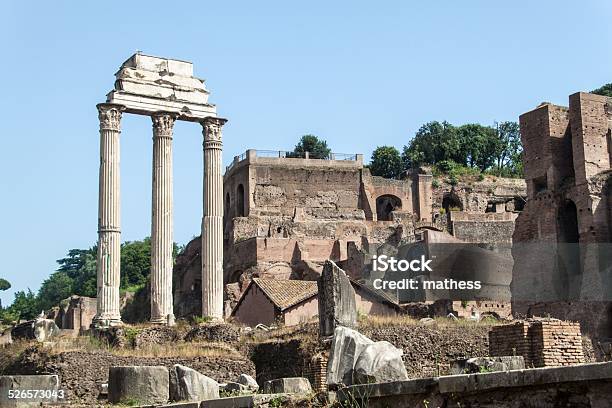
282	212
562	238
285	216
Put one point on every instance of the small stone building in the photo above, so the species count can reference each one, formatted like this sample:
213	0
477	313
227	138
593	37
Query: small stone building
76	313
291	302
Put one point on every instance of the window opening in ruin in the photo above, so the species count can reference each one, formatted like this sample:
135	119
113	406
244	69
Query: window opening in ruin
227	204
385	205
240	201
451	202
540	184
569	271
519	203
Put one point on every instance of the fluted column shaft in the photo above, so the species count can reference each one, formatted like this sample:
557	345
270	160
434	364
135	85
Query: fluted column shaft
212	222
109	217
162	220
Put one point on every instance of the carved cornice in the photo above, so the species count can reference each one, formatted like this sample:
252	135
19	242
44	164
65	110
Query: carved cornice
211	129
110	116
163	124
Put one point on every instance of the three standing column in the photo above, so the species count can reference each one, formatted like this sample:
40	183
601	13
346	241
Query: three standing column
212	222
162	220
109	217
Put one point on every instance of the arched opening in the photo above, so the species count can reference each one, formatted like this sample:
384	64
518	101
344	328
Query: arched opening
451	202
240	201
519	203
568	279
568	223
385	205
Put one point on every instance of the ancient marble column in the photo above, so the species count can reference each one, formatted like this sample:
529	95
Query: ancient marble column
162	220
212	222
109	218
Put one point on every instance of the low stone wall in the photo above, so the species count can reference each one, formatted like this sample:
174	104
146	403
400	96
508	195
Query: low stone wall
541	342
429	350
81	373
586	385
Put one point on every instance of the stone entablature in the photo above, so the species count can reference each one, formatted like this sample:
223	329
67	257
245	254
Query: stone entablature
146	84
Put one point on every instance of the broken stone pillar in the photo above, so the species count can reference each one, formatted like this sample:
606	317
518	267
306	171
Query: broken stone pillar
109	219
212	222
337	306
187	384
355	359
162	220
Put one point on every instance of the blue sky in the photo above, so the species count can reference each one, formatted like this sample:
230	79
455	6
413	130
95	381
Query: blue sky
359	74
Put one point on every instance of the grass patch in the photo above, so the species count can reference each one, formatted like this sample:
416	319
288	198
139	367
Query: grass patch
405	320
180	349
11	353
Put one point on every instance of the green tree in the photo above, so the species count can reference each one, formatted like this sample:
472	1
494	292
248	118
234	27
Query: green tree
55	288
509	159
25	306
135	263
434	142
386	162
4	284
317	148
479	144
80	266
605	90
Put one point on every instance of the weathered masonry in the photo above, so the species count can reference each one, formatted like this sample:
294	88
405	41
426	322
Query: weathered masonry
166	90
562	240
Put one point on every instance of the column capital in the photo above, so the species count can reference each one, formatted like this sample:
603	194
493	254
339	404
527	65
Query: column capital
211	129
163	123
110	116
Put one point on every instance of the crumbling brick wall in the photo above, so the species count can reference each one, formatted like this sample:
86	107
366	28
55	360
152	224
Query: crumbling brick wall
541	342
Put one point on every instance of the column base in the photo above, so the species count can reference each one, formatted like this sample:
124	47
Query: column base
103	322
167	320
211	319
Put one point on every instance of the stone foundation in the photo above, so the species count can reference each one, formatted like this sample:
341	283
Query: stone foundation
588	385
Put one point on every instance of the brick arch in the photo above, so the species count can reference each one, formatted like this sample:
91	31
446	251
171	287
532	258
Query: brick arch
385	205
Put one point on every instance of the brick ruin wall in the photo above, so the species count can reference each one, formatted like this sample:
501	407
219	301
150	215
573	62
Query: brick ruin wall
541	342
567	155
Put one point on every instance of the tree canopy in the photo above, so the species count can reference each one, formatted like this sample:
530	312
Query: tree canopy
605	90
386	162
24	306
496	149
4	284
76	274
317	148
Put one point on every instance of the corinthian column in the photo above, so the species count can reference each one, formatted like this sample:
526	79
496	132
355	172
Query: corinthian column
212	223
162	220
109	218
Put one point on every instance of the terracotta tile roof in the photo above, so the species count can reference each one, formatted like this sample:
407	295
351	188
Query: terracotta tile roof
286	293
